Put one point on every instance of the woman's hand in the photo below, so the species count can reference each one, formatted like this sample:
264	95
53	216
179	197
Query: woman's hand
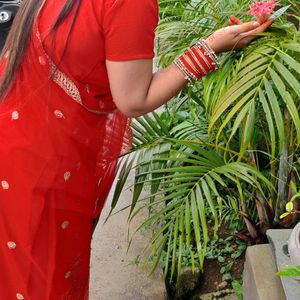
237	35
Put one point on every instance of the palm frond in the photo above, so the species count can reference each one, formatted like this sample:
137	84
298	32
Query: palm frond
267	78
189	191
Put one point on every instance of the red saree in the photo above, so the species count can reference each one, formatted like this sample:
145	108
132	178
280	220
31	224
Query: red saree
60	138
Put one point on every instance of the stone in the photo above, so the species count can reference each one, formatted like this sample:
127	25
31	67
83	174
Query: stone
187	283
294	245
259	280
223	285
227	294
278	239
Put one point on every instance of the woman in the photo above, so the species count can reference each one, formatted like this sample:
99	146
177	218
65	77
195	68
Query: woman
73	71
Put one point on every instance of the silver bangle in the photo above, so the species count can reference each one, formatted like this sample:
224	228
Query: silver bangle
187	74
208	51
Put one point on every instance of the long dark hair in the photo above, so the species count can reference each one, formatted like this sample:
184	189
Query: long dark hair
19	37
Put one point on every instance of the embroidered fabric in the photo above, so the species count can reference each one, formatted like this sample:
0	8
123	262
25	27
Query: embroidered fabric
64	82
59	77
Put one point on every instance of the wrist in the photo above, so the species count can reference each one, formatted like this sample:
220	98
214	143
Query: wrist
212	44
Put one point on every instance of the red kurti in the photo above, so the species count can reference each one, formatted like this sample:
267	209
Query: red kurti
59	143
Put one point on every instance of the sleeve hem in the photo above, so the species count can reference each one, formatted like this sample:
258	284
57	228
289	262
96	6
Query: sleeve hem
129	57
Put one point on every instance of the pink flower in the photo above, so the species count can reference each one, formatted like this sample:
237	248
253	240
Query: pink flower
263	8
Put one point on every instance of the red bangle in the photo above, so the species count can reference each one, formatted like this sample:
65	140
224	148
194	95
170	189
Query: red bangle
197	61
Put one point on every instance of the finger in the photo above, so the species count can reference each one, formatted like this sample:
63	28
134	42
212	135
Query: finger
236	20
262	19
263	27
251	35
260	29
246	27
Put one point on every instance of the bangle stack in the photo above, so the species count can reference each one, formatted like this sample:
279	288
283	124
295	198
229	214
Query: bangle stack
197	61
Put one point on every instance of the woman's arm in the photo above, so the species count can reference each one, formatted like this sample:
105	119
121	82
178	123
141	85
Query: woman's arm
136	91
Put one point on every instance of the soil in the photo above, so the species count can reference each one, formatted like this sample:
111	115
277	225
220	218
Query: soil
212	277
211	280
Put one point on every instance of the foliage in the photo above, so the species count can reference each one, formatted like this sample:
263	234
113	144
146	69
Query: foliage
290	271
238	288
226	251
291	206
226	148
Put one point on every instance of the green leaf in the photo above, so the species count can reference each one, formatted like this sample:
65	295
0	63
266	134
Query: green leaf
289	207
174	254
248	129
288	76
158	254
236	254
180	248
211	203
195	218
221	259
168	251
225	102
290	271
227	277
292	63
284	215
201	210
293	186
238	288
269	119
288	100
293	46
277	14
273	103
188	223
161	123
124	166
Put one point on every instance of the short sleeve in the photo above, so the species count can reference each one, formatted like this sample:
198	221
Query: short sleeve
129	29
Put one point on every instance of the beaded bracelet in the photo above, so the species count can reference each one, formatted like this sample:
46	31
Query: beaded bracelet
197	61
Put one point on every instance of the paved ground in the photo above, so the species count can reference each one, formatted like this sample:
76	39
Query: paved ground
113	276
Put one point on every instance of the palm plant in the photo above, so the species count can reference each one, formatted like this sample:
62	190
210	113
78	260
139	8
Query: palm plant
228	141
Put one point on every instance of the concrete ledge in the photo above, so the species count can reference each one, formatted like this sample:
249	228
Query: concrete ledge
278	239
260	281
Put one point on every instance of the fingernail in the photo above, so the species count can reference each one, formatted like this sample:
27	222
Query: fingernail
256	24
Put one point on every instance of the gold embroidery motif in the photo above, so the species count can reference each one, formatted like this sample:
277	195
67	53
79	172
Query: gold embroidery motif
64	82
11	245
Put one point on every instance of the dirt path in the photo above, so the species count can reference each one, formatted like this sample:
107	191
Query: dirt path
113	275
